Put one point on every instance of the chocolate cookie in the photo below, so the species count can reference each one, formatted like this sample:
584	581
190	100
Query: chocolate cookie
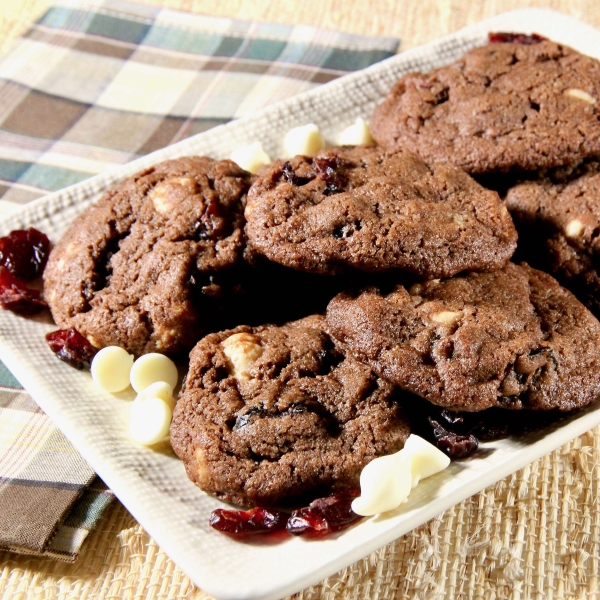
511	338
499	107
144	267
559	216
270	413
369	209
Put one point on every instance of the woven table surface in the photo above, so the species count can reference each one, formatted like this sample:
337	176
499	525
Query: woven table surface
535	534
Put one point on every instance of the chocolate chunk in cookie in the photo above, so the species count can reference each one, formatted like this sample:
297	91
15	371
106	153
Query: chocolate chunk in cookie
372	210
270	413
147	266
510	338
559	217
502	106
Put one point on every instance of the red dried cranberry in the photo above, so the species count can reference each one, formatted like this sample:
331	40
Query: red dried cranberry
515	38
16	296
24	252
70	346
324	515
450	443
327	169
247	522
290	175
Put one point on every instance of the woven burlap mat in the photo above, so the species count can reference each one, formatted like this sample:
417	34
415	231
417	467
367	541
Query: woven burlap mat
535	534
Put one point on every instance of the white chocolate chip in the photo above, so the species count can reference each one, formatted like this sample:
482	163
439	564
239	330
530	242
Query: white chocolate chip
150	368
159	389
356	134
242	349
580	95
306	140
150	420
251	158
162	194
574	228
386	482
110	368
447	317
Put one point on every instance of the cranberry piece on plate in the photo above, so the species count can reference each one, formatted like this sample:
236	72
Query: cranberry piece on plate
71	347
502	37
324	515
16	296
24	252
247	522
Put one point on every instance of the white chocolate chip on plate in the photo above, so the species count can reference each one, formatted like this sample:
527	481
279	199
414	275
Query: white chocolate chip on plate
150	420
306	140
251	157
356	134
150	368
159	389
386	482
110	368
242	350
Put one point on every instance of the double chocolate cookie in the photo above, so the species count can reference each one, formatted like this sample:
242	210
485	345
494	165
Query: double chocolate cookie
374	210
559	217
510	338
502	106
146	267
271	413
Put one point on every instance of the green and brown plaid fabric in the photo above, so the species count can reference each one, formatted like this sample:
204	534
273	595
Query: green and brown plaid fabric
91	86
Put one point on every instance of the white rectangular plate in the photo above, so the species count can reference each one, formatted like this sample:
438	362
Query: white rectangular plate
153	485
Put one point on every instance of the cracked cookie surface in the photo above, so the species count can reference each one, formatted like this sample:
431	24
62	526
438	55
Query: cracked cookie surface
269	413
512	338
368	209
145	267
501	106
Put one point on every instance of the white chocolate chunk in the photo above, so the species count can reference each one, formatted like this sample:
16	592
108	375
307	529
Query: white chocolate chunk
110	368
150	368
150	420
356	134
447	317
306	140
242	349
427	460
162	194
251	158
386	482
574	228
159	389
580	95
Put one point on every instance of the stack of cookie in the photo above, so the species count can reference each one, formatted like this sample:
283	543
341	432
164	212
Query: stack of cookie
403	248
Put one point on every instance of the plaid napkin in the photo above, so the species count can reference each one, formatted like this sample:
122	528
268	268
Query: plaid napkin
91	86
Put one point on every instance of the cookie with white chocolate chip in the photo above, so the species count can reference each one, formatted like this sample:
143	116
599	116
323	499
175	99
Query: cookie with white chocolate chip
511	338
558	215
147	266
503	106
367	209
271	413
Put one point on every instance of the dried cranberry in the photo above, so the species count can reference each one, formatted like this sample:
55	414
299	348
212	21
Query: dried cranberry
515	38
324	515
24	252
290	175
248	522
327	169
70	346
16	296
453	444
